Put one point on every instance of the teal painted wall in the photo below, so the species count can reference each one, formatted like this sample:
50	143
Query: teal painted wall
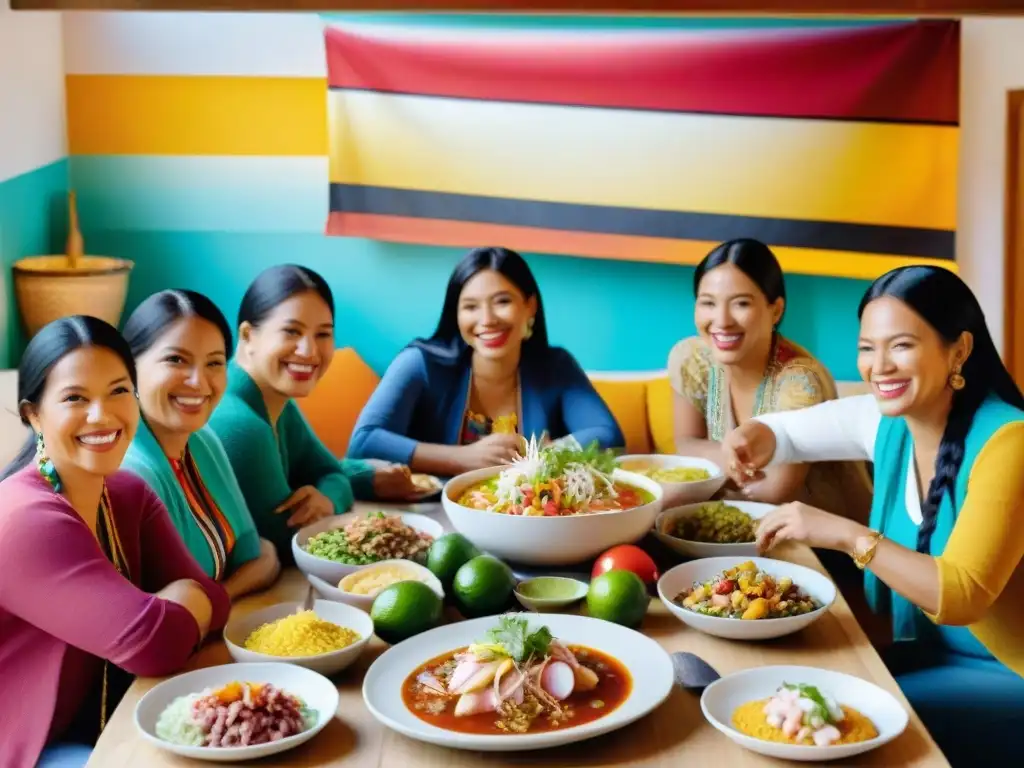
32	210
611	315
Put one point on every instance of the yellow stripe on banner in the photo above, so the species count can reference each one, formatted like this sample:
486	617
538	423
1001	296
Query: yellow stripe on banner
196	115
870	173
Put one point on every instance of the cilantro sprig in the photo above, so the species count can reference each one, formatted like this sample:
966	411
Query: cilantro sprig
810	692
514	636
558	457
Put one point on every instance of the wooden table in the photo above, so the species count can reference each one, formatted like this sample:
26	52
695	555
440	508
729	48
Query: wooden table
673	735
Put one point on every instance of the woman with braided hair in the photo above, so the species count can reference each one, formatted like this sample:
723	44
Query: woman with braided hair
942	551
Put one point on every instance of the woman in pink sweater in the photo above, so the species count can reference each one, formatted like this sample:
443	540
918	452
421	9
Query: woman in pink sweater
96	583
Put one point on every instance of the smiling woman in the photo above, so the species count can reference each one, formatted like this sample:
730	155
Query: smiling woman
464	398
181	343
64	608
285	345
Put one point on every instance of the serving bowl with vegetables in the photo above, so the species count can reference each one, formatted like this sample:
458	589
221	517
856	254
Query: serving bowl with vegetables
556	505
711	528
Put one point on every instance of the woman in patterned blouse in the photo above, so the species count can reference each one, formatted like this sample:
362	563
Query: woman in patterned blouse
740	366
181	343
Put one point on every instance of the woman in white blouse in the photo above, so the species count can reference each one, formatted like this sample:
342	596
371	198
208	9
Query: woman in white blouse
945	429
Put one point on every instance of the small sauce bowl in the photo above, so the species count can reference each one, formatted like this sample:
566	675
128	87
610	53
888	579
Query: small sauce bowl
550	592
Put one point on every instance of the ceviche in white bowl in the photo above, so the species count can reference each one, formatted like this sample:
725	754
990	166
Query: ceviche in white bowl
518	682
555	505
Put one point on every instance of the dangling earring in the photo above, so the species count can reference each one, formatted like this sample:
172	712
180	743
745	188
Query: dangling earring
956	381
528	333
46	468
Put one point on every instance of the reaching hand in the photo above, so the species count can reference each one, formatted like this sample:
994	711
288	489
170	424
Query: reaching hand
747	450
799	522
307	505
394	483
490	451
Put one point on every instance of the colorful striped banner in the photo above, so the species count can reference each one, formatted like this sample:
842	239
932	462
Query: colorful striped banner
836	145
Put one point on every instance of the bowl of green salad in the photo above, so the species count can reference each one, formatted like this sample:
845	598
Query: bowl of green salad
334	547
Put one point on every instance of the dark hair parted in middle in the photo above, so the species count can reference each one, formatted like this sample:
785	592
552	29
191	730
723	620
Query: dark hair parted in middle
155	315
446	341
751	257
272	287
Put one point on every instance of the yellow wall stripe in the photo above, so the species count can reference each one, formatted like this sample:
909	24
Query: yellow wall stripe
196	115
870	173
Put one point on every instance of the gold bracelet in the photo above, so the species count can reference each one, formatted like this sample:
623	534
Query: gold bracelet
863	556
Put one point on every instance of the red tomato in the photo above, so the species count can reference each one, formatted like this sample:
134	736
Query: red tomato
627	557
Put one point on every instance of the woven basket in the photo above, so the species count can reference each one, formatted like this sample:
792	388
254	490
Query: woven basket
48	288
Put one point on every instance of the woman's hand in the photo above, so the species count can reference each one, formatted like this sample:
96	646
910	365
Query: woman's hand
394	482
490	451
799	522
747	450
306	505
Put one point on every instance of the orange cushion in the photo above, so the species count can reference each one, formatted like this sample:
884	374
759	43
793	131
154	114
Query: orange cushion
660	416
338	399
627	401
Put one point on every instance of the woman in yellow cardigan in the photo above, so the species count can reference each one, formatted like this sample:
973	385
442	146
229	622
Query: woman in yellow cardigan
945	428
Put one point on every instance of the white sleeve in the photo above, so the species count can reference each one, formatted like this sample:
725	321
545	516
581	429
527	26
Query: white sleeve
836	430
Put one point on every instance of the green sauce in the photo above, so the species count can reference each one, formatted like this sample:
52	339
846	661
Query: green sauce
550	588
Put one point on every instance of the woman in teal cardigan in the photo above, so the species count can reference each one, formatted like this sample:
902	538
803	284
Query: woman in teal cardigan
181	343
288	477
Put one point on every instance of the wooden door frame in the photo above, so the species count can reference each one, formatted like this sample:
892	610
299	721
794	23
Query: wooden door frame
1013	228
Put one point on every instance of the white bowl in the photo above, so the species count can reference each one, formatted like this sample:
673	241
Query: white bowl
722	697
333	572
315	690
682	577
549	540
237	630
365	602
648	663
666	521
679	493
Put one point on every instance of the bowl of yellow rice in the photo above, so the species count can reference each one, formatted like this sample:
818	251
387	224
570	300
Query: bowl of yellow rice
326	639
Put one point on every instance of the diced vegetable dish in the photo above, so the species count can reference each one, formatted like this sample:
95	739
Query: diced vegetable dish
745	592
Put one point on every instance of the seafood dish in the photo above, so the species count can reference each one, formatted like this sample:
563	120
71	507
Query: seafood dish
716	523
747	593
239	714
802	714
516	680
370	539
556	481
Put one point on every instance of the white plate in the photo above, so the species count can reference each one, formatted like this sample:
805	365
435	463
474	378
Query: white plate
649	664
333	572
237	630
315	690
682	577
569	540
680	493
365	602
722	697
666	522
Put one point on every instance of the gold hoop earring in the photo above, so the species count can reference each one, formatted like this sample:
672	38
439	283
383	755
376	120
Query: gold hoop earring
528	333
956	380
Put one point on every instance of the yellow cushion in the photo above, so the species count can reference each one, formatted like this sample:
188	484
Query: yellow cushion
627	401
660	416
338	399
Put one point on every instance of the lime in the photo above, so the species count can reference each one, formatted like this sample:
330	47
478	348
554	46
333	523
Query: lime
618	596
483	586
448	554
405	609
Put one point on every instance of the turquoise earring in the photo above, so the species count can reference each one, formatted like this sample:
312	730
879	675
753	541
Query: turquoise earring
46	468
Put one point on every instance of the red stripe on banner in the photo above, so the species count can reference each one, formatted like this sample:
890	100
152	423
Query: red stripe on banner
900	72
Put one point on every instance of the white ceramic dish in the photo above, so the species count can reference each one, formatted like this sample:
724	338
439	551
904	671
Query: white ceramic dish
315	690
721	698
667	520
333	572
237	630
682	577
365	602
549	540
679	493
648	663
577	589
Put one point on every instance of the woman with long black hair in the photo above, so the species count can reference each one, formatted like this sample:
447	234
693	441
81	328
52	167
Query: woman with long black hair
463	398
943	548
